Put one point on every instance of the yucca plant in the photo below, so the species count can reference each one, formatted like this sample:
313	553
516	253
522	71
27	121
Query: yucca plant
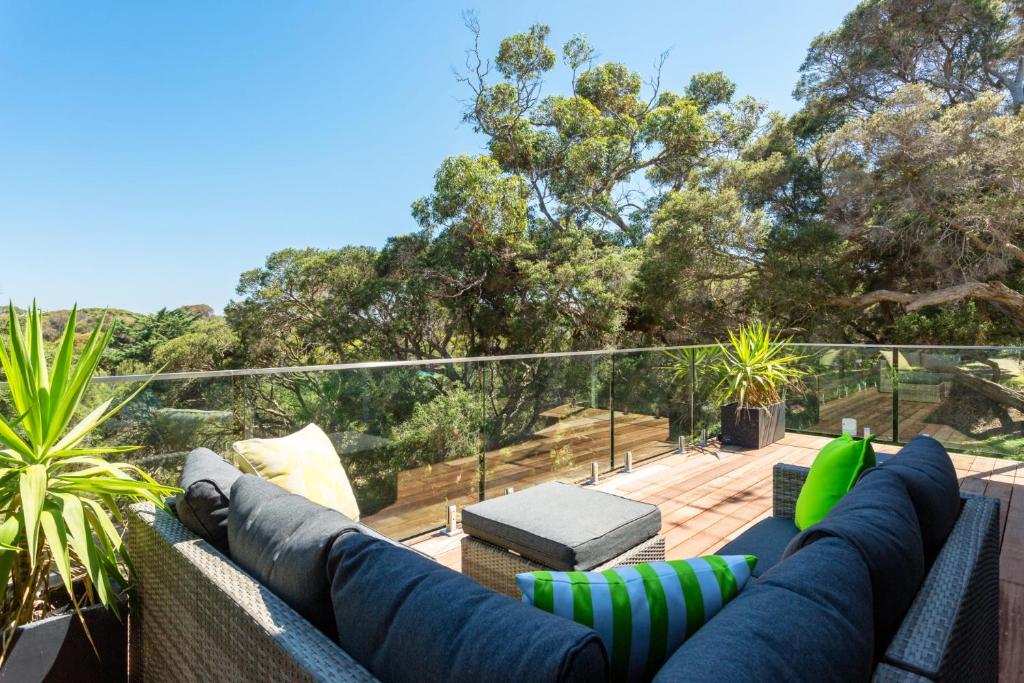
702	360
59	494
755	366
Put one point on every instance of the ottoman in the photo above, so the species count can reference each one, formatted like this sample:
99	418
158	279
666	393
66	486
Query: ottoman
556	526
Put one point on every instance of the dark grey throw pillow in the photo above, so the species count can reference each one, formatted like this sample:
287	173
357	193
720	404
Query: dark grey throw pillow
927	470
202	505
282	540
877	518
807	619
409	619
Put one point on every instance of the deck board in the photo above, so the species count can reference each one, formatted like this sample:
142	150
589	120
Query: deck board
708	498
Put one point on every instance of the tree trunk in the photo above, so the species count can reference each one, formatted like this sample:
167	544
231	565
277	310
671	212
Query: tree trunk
996	393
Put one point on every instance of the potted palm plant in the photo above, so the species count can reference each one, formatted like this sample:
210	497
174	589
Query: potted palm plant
62	559
753	369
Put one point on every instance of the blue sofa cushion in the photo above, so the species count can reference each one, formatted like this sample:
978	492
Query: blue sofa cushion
807	619
202	505
766	541
927	470
282	540
877	519
407	618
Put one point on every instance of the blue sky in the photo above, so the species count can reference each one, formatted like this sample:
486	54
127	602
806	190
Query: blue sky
151	152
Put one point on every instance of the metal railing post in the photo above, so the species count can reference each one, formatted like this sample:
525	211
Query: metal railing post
482	462
693	393
611	412
895	395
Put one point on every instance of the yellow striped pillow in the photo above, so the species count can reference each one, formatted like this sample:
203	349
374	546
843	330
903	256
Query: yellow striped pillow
304	463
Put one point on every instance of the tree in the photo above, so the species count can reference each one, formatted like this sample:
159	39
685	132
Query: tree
208	345
959	48
580	154
133	344
927	198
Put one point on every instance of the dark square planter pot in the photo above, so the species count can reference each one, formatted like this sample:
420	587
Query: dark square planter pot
57	649
753	427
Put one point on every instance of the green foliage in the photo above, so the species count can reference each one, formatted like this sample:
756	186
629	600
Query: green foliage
447	427
525	56
965	47
961	325
207	345
57	492
755	366
709	90
136	343
691	364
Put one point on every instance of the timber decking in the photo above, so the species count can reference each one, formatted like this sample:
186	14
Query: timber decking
561	450
708	498
873	409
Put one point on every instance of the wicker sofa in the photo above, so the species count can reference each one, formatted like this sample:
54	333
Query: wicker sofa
196	616
951	631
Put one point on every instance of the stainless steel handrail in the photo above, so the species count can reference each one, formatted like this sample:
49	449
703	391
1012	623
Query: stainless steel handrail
431	362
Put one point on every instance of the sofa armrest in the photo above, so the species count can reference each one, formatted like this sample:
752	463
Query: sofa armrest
891	674
196	616
787	480
951	631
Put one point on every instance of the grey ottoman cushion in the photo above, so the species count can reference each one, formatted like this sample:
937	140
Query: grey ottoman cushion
202	505
409	619
927	470
807	619
877	518
282	541
766	541
562	526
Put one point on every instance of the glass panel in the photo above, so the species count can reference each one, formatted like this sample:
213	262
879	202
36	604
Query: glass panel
652	403
707	399
168	418
966	398
547	419
409	437
843	382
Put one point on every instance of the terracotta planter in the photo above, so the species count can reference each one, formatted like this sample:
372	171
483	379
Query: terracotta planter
753	427
57	649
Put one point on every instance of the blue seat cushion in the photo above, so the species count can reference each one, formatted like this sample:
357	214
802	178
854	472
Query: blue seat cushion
766	541
930	477
877	518
282	540
410	619
806	619
202	505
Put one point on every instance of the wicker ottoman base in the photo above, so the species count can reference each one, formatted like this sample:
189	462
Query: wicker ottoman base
496	568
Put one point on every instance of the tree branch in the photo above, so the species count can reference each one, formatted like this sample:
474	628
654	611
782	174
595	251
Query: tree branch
993	292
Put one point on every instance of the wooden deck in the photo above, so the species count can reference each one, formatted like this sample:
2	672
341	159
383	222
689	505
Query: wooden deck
564	448
873	409
708	498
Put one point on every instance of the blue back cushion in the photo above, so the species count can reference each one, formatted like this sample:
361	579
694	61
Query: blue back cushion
202	505
877	518
282	540
410	619
807	619
928	472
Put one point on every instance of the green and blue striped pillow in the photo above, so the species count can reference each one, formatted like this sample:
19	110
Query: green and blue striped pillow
644	612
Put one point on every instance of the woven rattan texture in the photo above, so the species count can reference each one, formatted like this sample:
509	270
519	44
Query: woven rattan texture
496	568
198	617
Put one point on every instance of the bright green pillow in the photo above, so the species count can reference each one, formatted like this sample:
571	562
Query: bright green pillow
832	475
641	613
